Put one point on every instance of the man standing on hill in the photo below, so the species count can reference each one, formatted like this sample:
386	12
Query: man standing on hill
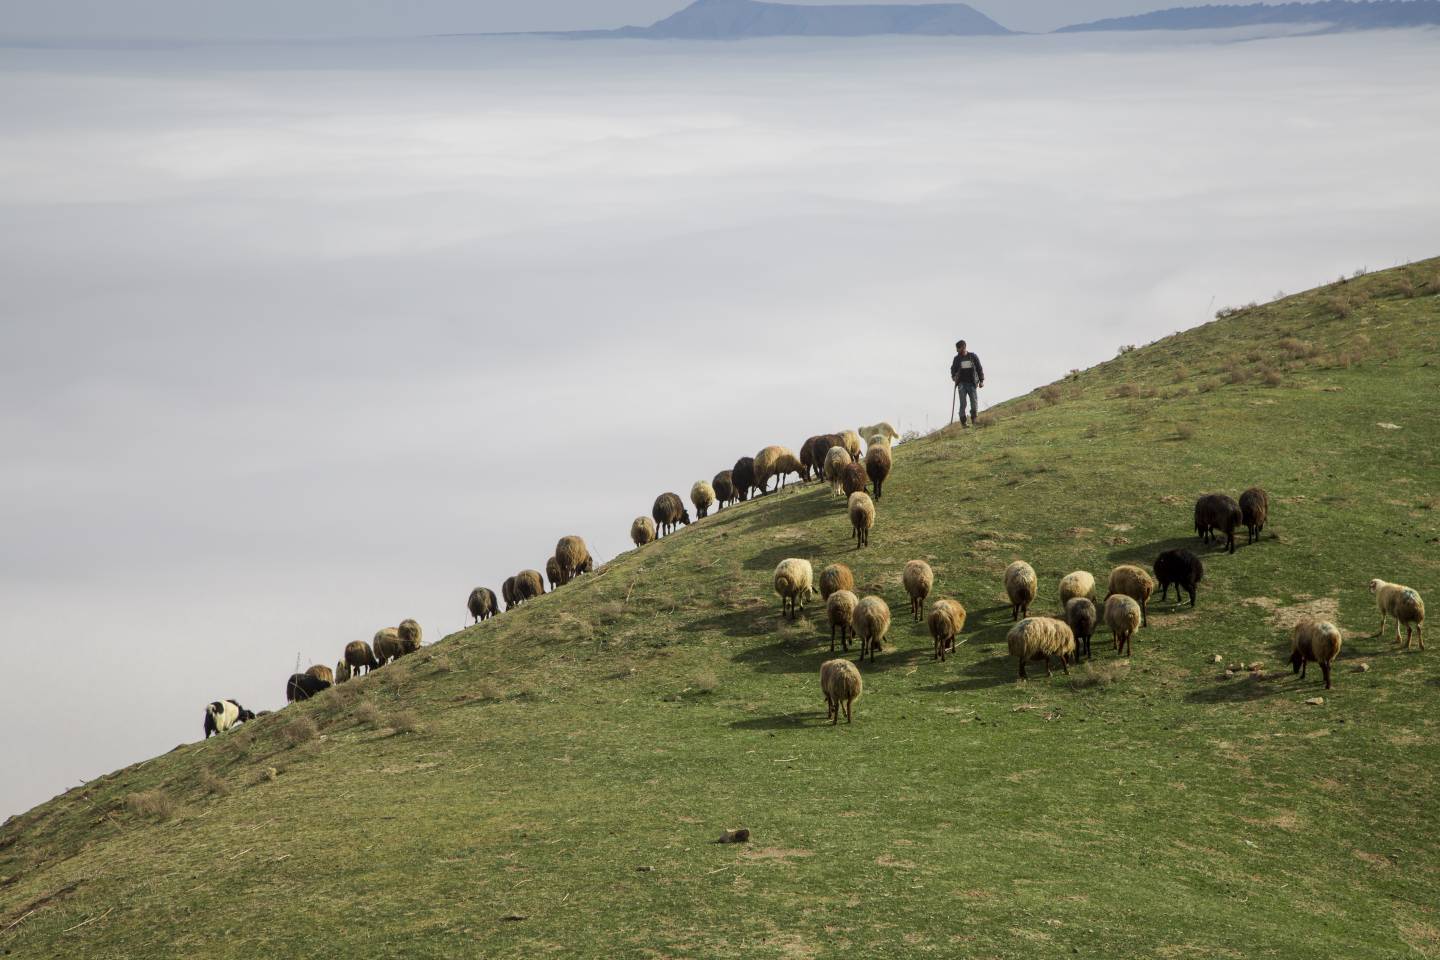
969	376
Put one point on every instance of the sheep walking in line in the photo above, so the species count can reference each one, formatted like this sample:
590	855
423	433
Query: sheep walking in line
872	623
223	715
850	440
1040	638
840	612
853	478
1123	616
1080	583
946	620
877	467
1404	606
1314	641
862	518
1181	568
837	576
1020	586
1217	512
573	556
702	495
320	672
360	658
552	572
724	488
410	636
1135	583
840	682
836	460
813	452
482	604
528	585
879	434
918	579
302	686
669	513
642	531
794	581
386	645
507	590
742	475
778	462
1080	613
1254	511
342	672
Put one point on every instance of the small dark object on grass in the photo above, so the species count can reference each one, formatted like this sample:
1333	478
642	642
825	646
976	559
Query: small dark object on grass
514	917
735	836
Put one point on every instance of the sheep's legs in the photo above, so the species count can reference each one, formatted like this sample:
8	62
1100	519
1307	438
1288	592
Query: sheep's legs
847	710
1381	630
1325	669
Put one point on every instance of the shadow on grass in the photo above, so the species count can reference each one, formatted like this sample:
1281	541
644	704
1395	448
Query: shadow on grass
1144	554
782	721
1246	689
979	675
802	653
768	560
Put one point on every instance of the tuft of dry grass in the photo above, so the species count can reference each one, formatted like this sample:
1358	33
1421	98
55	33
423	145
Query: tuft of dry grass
1341	307
1180	375
1051	394
1207	386
298	731
1185	431
1271	377
405	721
1237	376
706	682
1101	674
985	420
153	804
1125	390
213	784
367	714
488	689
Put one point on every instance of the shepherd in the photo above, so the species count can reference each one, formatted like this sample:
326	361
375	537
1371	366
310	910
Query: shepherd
969	376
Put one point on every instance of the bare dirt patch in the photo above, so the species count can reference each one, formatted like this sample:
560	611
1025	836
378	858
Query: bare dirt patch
1374	859
1283	617
779	855
885	860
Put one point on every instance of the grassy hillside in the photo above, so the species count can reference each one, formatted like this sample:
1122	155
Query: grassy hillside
549	783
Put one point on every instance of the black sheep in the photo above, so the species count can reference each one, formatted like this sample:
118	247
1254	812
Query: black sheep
1217	512
1080	614
669	511
1183	569
1254	511
742	475
302	686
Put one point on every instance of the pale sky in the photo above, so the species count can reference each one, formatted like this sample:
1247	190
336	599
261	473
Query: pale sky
338	18
299	341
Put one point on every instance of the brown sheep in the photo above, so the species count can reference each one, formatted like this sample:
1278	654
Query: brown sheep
1254	511
877	466
1020	586
724	488
482	604
1216	511
507	590
528	585
642	531
840	682
836	460
386	645
1134	583
853	478
1314	640
742	475
815	450
777	462
321	673
342	672
1123	616
669	512
872	623
946	620
1081	615
1081	583
410	636
837	576
574	558
1040	638
794	582
918	579
1402	604
359	657
552	572
840	611
862	518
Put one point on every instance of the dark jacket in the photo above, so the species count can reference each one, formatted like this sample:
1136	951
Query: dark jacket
962	374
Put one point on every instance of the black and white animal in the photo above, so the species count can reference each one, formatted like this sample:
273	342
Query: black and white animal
221	715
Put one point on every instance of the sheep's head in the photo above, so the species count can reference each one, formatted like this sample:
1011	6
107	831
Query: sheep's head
1375	585
245	715
684	518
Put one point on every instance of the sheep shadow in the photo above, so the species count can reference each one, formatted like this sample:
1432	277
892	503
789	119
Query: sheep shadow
1246	689
782	721
993	671
750	622
768	560
799	654
1144	554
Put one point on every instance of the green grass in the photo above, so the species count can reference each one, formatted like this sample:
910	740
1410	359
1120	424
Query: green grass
550	783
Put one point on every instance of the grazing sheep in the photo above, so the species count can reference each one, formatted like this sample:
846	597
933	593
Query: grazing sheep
947	618
724	489
1404	605
775	461
862	518
1216	511
507	590
1040	638
1134	583
840	682
872	623
879	434
482	604
222	715
837	576
877	467
359	657
1254	511
552	572
574	558
642	531
836	460
669	512
918	579
1123	616
410	636
1080	583
1081	615
850	440
321	673
528	585
854	479
702	494
840	611
386	644
1314	640
342	672
814	451
743	476
302	686
794	581
1183	569
1021	585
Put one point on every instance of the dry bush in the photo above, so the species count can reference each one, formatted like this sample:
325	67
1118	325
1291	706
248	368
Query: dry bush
1127	348
441	664
1180	375
1271	378
1185	431
1027	406
404	721
1149	393
1092	431
368	714
1180	392
706	682
1207	386
1295	347
1125	390
1349	358
298	731
1051	394
985	420
213	784
1101	674
1254	356
1237	376
1341	307
152	804
347	691
488	689
1407	287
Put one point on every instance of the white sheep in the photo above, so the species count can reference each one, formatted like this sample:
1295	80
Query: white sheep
794	581
1020	586
836	460
1402	604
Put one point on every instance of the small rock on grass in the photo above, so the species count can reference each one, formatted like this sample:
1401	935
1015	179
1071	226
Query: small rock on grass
1217	659
1362	667
1316	701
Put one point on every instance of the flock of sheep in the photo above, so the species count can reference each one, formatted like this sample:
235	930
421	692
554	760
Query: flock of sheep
836	459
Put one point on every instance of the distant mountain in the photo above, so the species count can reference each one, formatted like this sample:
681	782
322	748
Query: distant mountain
738	19
1338	14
